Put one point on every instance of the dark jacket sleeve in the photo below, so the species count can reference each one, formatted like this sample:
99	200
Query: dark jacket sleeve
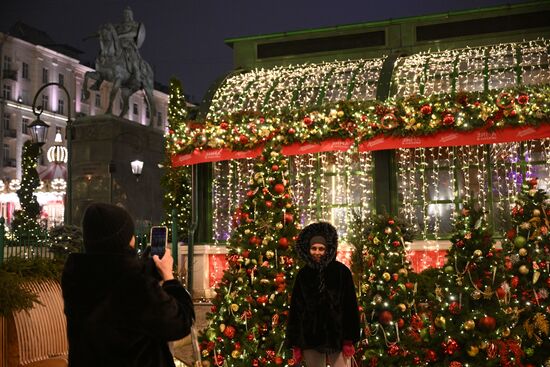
293	329
163	312
351	327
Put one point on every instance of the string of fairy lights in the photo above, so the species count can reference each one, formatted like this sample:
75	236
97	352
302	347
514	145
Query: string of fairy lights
422	183
323	186
472	69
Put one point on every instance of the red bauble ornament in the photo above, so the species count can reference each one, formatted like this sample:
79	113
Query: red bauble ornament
283	242
448	119
243	139
229	331
455	308
401	323
385	317
291	131
224	125
262	299
279	188
426	109
308	121
213	309
253	240
269	204
278	360
391	222
218	360
274	168
431	356
514	281
393	350
501	293
409	285
255	363
250	193
487	323
289	218
455	364
396	243
450	346
523	99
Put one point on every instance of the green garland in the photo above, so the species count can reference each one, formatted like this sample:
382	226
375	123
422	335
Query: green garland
364	120
14	272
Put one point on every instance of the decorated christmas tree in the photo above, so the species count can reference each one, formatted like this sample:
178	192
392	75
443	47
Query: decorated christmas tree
248	319
386	292
176	181
527	263
469	327
25	226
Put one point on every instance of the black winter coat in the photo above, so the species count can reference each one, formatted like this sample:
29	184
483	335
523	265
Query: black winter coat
323	310
119	315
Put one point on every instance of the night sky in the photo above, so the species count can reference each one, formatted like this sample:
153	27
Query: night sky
185	38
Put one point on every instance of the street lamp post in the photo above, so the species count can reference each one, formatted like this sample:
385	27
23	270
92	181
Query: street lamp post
38	130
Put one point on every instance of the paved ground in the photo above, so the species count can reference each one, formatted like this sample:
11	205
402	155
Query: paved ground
182	349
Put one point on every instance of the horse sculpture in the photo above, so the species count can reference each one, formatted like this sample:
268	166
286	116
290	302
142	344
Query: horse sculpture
114	64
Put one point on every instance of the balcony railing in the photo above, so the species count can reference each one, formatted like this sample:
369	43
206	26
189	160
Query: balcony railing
9	74
10	133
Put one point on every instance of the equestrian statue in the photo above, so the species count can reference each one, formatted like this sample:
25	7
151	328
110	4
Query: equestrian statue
120	63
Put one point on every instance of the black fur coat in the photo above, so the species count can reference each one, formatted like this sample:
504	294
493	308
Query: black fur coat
323	311
119	315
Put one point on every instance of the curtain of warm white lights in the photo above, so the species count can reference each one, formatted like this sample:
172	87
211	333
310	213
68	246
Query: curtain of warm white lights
328	186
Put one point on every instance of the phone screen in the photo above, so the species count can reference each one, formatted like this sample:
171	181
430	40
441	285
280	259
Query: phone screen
159	237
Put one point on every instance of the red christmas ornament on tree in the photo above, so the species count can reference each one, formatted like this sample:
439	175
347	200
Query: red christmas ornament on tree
308	121
262	299
274	168
289	218
448	119
283	242
426	109
243	139
279	188
229	331
385	317
487	323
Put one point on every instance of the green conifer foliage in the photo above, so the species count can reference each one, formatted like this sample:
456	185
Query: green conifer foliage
25	223
386	292
469	326
176	181
527	263
248	320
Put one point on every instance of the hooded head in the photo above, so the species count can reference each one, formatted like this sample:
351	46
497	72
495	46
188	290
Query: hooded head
320	233
107	229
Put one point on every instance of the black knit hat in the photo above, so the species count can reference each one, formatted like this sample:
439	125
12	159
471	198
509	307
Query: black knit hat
107	228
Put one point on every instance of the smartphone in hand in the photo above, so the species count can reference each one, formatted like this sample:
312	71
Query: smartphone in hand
159	239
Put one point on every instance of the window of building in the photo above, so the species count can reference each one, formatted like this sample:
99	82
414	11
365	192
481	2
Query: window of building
7	63
147	112
98	100
61	106
25	71
45	77
120	104
7	119
159	118
61	79
6	92
46	102
6	154
135	109
25	125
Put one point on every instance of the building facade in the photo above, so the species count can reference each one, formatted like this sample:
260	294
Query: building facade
28	63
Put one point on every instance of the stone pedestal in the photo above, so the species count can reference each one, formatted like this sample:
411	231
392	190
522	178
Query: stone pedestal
103	147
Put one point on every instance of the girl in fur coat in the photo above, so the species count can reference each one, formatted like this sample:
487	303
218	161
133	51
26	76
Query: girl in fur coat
323	322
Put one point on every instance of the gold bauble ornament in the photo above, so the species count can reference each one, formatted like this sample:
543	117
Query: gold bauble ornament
386	276
402	307
205	353
222	327
505	332
279	225
269	254
478	253
365	288
388	230
234	307
404	272
469	325
205	363
235	354
522	251
440	322
483	345
536	212
247	231
473	351
523	270
288	205
476	294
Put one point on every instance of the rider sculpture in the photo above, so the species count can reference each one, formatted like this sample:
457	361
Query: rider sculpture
119	62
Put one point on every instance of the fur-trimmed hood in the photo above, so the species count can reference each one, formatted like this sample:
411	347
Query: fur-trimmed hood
325	230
